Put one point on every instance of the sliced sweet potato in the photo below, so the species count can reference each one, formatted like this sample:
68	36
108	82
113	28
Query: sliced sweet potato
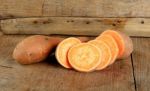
106	53
35	48
124	43
84	57
64	46
109	40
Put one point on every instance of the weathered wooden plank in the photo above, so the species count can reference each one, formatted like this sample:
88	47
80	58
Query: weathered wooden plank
91	8
76	25
6	48
1	33
50	76
141	62
20	8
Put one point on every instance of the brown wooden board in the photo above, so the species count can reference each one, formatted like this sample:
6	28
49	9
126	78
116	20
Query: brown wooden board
90	8
50	76
1	33
23	8
7	45
141	63
76	25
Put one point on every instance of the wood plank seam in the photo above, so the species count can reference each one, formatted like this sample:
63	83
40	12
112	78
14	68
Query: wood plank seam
141	63
19	17
133	72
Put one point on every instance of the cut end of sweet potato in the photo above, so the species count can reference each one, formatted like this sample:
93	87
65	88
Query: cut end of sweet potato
106	53
84	57
123	41
62	50
109	40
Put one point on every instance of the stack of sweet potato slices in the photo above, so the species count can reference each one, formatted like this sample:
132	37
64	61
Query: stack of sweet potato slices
86	56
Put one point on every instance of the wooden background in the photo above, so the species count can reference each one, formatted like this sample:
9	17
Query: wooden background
74	17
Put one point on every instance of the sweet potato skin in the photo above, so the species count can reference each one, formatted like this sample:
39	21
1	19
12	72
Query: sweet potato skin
128	45
34	49
124	42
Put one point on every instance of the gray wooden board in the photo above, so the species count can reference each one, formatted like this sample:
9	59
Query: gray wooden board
141	62
50	76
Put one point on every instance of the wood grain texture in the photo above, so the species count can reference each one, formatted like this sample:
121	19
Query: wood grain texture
76	25
1	33
90	8
50	76
141	63
20	8
8	45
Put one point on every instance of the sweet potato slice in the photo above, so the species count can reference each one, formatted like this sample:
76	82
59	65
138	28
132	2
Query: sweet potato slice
84	57
124	43
109	40
64	46
35	48
106	53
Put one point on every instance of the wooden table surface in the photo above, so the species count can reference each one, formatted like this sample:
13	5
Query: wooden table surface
131	74
82	17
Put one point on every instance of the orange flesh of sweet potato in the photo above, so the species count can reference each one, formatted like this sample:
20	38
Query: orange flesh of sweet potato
109	40
62	50
64	46
106	53
34	49
84	57
124	43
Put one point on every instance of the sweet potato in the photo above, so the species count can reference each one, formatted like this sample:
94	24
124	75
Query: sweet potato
123	41
64	46
106	53
62	50
34	49
84	57
109	40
